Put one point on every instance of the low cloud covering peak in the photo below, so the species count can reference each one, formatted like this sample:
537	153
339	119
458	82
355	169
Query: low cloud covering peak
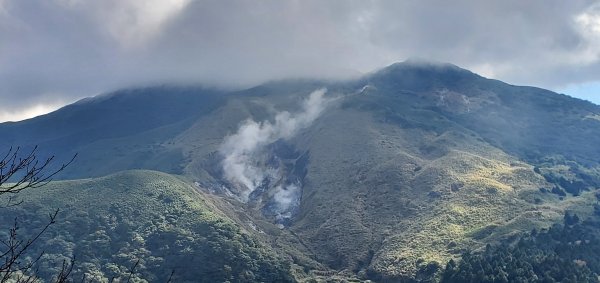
75	48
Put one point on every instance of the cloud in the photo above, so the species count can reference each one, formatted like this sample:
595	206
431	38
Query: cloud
588	25
33	111
130	23
244	161
78	48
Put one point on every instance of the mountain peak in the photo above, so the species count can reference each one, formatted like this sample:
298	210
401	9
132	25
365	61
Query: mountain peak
421	64
418	74
418	150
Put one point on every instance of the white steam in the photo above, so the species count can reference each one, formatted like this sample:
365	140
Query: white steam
284	198
244	165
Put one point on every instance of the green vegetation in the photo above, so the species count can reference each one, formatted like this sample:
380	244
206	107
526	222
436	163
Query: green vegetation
563	253
108	224
429	161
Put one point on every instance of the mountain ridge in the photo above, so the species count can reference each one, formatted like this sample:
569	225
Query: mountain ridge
377	177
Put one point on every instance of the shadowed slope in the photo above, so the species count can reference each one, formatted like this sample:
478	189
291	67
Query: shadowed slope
409	165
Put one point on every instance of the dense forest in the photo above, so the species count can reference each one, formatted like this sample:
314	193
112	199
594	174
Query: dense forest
138	226
565	252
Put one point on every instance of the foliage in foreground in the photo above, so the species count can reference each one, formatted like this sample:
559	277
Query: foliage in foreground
146	225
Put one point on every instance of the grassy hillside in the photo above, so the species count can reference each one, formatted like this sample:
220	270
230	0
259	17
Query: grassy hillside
110	223
408	167
123	130
385	200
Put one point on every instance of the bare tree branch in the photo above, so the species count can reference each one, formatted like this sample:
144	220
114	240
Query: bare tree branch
13	264
65	272
171	276
19	172
26	172
132	270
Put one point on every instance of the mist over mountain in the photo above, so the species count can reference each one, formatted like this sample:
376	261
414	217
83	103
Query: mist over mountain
376	178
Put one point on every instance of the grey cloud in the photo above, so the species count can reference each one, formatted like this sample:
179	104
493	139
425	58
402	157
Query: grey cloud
61	50
525	42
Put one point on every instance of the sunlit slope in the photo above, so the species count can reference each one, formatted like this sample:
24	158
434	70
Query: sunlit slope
387	199
109	223
409	165
417	163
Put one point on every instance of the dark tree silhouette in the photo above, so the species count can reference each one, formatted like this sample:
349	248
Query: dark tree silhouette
20	171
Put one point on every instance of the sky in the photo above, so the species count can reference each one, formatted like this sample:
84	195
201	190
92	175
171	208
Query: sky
54	52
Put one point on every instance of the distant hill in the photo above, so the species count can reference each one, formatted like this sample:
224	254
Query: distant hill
108	224
116	131
374	178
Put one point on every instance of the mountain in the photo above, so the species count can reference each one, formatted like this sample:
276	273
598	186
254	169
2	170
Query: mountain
110	223
116	131
376	178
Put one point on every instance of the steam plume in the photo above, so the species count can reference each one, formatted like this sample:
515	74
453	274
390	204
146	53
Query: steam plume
244	165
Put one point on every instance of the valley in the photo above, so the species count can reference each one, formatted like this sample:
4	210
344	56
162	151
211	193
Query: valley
376	178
